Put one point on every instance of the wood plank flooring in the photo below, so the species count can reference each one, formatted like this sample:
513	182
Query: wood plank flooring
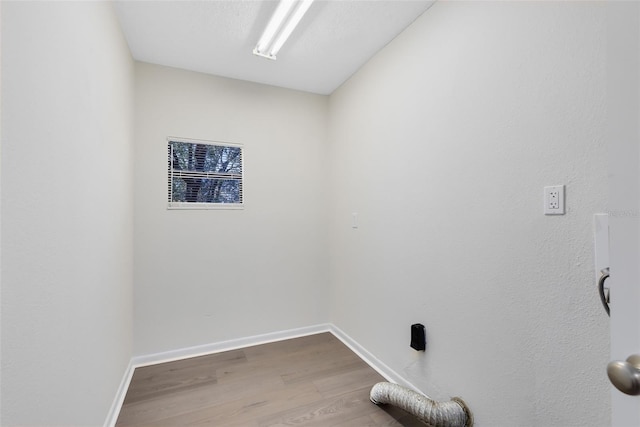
309	381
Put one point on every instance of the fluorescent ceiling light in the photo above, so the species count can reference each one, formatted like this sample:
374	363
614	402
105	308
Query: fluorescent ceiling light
284	20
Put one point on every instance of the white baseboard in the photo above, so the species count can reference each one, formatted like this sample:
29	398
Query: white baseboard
114	411
375	363
201	350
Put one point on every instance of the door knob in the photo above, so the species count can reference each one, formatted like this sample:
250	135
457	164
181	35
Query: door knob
625	376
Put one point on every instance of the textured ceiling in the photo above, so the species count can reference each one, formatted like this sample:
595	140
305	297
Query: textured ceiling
334	39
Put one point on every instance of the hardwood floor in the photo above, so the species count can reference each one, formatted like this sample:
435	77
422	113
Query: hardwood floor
309	381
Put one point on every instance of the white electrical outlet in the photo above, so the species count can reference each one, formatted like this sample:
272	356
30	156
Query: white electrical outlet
554	200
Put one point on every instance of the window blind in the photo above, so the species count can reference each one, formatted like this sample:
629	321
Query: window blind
204	174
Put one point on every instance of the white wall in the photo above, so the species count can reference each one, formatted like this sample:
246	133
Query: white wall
443	144
205	276
67	212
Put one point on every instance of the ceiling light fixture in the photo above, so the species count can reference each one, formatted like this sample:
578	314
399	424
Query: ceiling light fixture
284	20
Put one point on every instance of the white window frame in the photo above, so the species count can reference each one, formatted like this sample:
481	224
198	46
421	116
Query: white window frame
196	205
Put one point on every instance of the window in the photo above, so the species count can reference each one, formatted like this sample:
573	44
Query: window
204	174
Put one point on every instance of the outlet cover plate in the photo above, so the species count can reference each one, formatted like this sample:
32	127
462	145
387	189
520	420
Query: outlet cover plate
554	200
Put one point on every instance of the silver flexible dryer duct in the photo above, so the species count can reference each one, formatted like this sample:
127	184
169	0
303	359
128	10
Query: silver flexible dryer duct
435	414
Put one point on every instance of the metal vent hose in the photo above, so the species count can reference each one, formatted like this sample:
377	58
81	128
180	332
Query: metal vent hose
453	413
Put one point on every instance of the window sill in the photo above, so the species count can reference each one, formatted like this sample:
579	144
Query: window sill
205	206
